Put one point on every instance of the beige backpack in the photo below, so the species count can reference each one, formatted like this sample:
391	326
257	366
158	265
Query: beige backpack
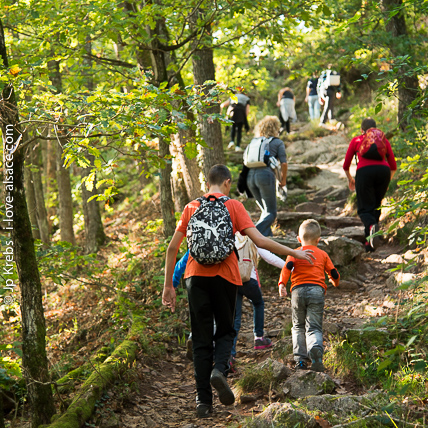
247	255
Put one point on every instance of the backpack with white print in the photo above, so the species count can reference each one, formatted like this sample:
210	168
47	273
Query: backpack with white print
210	231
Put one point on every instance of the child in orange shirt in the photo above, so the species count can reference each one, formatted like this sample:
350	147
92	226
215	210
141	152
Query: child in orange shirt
308	290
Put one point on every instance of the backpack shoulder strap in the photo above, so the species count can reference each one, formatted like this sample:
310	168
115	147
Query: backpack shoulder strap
223	199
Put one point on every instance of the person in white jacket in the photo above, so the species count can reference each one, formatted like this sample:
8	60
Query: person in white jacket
249	254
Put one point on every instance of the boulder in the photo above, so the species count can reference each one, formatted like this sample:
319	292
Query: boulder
307	382
311	207
352	232
393	259
338	222
348	285
343	251
279	371
399	278
283	415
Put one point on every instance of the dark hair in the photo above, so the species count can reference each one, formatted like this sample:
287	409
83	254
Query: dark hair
368	123
218	175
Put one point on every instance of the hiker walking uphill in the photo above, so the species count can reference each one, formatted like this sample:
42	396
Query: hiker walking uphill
212	277
286	102
312	97
376	166
251	288
238	112
262	156
328	90
307	297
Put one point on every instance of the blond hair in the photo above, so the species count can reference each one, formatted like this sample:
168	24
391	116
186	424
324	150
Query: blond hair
309	230
268	127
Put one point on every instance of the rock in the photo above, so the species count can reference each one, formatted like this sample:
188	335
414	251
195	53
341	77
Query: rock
352	232
283	415
340	405
343	251
305	171
338	222
330	327
311	207
338	193
377	294
278	370
348	285
247	398
372	337
306	382
399	278
393	258
283	216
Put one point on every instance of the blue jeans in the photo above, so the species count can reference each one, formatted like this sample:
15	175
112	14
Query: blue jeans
314	107
251	291
307	309
261	182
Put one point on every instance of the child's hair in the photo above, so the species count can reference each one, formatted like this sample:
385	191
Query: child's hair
368	123
309	230
218	175
268	127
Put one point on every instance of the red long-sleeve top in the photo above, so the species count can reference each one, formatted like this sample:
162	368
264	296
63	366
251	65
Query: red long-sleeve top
362	162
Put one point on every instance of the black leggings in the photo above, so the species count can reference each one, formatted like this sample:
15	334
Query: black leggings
284	124
236	128
371	184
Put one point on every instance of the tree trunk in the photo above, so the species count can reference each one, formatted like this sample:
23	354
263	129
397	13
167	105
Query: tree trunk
203	70
94	230
34	360
41	212
408	88
2	425
51	185
31	200
65	200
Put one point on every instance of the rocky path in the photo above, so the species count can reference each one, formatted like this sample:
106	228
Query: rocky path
165	392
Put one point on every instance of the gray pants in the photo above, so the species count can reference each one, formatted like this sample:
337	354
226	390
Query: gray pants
287	109
307	309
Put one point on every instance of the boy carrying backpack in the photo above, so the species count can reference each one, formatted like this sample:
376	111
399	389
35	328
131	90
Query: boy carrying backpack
212	288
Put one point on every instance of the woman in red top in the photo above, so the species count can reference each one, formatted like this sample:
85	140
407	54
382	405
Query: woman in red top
375	168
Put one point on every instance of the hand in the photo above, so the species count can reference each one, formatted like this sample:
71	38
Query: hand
305	255
277	104
306	99
321	101
282	290
338	95
169	298
351	184
283	183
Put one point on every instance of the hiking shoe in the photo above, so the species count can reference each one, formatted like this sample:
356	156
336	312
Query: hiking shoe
262	343
204	410
189	349
374	240
316	357
219	383
301	365
231	365
238	149
368	247
231	145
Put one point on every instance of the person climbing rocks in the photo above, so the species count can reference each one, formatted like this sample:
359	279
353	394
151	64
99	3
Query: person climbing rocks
261	180
251	289
212	288
328	90
308	290
238	112
376	166
286	102
312	97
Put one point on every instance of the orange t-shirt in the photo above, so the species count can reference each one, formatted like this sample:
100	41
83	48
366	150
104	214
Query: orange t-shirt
228	269
302	272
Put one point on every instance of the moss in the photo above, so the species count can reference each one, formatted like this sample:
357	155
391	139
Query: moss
83	405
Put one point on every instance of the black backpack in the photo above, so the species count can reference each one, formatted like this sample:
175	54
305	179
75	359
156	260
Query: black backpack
210	231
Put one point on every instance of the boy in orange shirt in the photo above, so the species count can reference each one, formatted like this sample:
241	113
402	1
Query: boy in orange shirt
212	290
308	290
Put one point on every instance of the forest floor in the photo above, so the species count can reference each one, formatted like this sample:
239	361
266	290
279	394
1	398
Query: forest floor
166	387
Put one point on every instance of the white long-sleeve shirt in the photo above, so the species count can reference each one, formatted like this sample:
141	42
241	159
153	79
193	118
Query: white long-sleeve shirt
268	257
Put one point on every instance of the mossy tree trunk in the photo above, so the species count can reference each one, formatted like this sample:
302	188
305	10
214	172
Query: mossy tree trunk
34	359
31	199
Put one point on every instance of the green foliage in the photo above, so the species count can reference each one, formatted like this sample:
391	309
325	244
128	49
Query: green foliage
257	378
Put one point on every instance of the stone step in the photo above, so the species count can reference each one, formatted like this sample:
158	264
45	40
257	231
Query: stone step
335	222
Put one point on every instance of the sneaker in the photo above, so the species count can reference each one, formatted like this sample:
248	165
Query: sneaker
204	410
231	365
219	383
301	365
189	349
231	145
262	343
238	149
368	247
316	357
374	240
